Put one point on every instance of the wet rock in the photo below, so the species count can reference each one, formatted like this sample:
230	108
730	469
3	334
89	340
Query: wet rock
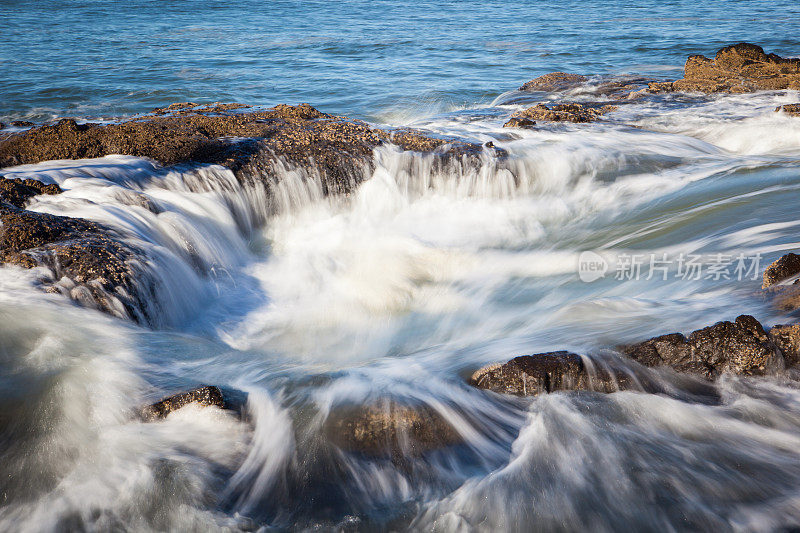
22	123
787	339
203	396
739	68
519	122
781	269
790	109
213	134
741	347
531	375
105	272
554	81
389	429
18	191
559	113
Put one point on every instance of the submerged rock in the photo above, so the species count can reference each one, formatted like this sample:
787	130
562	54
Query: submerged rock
554	81
558	113
790	109
531	375
741	347
203	396
739	68
390	429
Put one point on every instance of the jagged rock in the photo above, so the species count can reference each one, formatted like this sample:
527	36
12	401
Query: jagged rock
790	109
554	81
22	123
787	339
558	113
786	267
187	133
519	122
203	396
106	272
739	68
390	428
531	375
741	347
18	191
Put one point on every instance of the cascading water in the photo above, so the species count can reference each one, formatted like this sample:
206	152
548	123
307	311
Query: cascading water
307	304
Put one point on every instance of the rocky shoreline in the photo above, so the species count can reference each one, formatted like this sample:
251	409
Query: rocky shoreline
98	262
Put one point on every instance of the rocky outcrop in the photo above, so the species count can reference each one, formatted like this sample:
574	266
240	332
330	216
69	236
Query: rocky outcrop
558	113
17	191
531	375
740	68
741	347
390	428
781	282
231	135
101	271
789	109
554	81
203	396
788	266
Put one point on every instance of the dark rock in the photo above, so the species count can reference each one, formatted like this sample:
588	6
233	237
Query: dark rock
519	122
389	429
786	267
555	81
559	113
105	269
22	123
741	347
787	339
530	375
739	68
790	109
17	191
203	396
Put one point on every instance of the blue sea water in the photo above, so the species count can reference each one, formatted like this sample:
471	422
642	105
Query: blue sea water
306	308
360	58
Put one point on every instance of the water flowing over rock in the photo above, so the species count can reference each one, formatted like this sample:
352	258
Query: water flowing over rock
740	68
390	428
531	375
741	347
103	271
203	396
558	113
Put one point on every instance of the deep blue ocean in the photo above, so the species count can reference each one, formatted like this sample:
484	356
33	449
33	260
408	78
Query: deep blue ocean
360	58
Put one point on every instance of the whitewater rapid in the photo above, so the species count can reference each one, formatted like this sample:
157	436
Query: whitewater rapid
305	303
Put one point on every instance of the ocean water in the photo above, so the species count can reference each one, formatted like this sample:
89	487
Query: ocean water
308	305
